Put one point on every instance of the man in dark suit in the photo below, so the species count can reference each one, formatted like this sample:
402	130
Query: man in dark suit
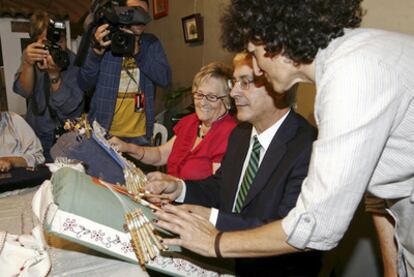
276	174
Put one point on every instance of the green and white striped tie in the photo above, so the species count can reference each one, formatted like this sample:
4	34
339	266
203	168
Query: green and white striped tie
249	175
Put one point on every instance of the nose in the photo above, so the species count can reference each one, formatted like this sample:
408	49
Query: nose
235	91
256	69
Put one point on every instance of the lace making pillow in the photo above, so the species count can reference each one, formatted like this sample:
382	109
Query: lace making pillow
79	208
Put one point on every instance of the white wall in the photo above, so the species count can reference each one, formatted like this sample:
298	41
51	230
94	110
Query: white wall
11	49
395	15
391	15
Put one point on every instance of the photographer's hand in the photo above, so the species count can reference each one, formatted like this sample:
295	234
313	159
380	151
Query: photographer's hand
34	52
99	42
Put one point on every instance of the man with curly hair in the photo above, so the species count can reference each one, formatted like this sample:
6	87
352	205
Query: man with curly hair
364	110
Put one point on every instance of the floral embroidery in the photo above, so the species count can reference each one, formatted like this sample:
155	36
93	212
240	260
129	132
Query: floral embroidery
98	236
122	245
69	224
117	240
182	266
127	247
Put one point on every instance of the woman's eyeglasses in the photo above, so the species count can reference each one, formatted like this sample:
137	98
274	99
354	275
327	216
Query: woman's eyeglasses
210	97
243	83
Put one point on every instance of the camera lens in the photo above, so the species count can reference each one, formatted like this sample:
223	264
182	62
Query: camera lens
120	40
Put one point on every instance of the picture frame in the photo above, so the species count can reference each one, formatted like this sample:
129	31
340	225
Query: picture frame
193	28
159	8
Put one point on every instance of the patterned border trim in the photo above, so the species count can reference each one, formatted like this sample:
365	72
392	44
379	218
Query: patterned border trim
85	230
113	242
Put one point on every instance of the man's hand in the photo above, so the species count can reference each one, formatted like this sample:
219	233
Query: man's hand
5	165
35	52
100	33
195	233
204	212
164	185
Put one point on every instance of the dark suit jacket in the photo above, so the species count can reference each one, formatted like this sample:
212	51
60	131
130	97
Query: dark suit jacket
273	193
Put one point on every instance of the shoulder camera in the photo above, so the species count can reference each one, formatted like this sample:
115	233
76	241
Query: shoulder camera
123	43
117	15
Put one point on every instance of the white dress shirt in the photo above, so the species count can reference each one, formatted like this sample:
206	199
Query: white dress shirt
18	139
364	110
265	138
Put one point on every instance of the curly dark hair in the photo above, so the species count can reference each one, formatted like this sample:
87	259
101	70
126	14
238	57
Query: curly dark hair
295	28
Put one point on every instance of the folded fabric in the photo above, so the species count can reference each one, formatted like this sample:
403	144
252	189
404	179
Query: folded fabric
96	160
23	255
74	207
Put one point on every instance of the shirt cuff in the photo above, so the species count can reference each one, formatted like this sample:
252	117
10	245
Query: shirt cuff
30	160
180	199
299	230
213	216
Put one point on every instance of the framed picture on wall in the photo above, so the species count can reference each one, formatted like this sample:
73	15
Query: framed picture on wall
159	8
193	28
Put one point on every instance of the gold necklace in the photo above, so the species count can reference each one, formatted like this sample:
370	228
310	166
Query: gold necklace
200	132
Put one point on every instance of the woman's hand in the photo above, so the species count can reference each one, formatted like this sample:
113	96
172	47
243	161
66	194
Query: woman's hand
164	185
119	144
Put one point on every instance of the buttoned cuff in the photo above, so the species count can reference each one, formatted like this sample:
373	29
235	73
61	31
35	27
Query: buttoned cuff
300	230
300	233
213	216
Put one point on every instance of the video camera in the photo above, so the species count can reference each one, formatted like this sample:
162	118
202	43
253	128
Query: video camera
117	17
55	31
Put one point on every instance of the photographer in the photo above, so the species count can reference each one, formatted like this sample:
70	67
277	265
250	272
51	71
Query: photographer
123	101
47	79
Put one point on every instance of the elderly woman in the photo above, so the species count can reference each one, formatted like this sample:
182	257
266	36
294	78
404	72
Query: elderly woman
200	140
19	146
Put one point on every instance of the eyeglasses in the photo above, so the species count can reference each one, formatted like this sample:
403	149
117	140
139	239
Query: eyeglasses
243	82
210	97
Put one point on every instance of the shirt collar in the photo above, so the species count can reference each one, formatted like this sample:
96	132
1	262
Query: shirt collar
265	138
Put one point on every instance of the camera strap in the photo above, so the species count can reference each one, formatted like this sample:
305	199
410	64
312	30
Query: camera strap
132	77
35	105
52	112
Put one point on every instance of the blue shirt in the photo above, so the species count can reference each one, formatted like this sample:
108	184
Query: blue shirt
103	73
67	101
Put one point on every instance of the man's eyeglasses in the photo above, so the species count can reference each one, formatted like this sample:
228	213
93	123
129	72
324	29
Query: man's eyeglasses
210	97
243	83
